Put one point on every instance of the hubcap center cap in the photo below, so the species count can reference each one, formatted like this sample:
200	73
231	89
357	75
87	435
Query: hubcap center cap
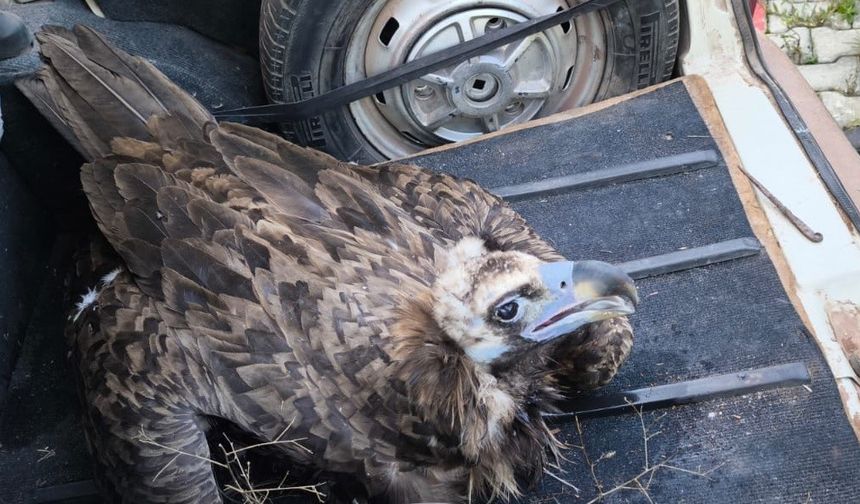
482	87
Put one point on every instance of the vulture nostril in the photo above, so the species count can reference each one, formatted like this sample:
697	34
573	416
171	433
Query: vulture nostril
563	285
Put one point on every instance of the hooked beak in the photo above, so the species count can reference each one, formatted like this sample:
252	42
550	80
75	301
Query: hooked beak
583	292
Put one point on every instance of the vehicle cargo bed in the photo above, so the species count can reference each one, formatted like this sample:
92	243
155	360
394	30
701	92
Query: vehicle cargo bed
638	177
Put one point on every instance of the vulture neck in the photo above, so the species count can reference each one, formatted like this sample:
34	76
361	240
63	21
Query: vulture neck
496	417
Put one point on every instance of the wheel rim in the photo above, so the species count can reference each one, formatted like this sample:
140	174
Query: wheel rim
530	78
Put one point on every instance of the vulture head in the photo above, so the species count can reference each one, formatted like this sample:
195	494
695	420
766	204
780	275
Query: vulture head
498	305
487	349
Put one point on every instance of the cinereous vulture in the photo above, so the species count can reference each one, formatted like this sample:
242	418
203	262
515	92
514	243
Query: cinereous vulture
407	325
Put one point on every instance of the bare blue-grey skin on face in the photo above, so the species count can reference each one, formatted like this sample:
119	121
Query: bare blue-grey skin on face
495	303
409	326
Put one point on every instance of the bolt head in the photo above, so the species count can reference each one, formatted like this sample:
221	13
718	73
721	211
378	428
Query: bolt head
515	107
424	92
495	24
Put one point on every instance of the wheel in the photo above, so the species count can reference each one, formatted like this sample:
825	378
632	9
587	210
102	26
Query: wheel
309	47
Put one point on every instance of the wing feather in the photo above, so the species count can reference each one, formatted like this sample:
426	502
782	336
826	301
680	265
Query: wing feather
164	93
287	192
212	267
174	203
119	100
211	217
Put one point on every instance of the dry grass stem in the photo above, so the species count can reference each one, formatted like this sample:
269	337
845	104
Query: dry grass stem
46	452
641	482
563	482
160	471
239	470
146	439
591	465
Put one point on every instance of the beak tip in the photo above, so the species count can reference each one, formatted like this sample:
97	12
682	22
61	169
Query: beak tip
585	291
634	299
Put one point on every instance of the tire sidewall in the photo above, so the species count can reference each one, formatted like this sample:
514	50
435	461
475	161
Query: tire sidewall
321	31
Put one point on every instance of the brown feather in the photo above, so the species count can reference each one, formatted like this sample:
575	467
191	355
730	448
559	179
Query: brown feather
199	262
98	184
281	188
211	217
166	95
70	115
120	101
173	202
147	152
232	145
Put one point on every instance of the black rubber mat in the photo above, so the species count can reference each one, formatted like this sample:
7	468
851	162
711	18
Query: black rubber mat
25	241
41	437
789	445
233	22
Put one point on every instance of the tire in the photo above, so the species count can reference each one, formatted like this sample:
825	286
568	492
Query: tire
303	48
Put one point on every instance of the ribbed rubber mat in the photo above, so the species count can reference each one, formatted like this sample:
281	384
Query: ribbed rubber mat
789	445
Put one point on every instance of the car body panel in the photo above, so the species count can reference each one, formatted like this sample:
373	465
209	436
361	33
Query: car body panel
819	276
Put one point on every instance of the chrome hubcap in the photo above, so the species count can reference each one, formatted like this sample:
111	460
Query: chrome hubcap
526	79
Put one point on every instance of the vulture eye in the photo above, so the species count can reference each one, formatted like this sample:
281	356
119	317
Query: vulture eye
508	312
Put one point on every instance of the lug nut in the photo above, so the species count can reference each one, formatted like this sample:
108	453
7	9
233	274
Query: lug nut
424	92
514	108
495	24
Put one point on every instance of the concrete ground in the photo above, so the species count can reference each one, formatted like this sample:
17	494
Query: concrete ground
823	39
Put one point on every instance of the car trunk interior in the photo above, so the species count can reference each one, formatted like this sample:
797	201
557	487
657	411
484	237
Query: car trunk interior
643	176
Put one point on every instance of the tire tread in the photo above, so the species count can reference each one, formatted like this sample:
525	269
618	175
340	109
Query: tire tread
276	19
673	33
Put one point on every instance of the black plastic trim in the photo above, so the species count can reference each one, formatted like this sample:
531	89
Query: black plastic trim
681	260
660	167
